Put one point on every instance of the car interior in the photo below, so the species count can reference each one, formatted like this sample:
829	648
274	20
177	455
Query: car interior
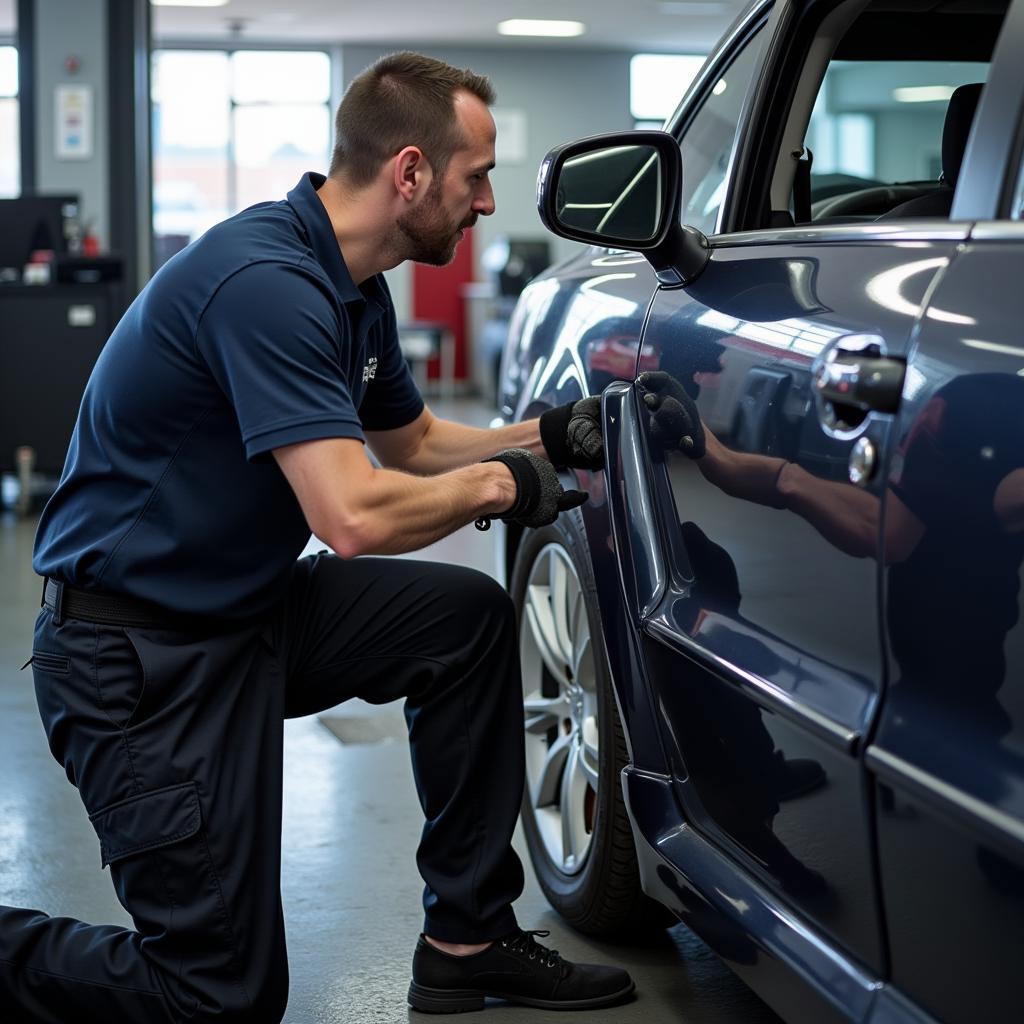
882	110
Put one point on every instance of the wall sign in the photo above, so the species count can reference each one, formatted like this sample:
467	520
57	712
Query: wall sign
74	122
510	145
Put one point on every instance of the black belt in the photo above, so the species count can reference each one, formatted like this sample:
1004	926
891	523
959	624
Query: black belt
67	602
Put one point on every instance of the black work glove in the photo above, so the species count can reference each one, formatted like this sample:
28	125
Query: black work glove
571	434
539	493
675	422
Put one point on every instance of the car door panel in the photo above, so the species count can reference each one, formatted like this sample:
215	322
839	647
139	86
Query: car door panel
763	649
949	751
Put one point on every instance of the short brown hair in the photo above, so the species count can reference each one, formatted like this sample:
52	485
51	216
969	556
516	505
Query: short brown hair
404	99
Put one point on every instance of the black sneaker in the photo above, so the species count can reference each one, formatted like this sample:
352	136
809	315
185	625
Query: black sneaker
516	968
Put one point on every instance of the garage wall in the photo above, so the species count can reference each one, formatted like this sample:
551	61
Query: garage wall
564	95
77	28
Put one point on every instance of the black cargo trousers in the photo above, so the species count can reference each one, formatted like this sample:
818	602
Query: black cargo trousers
174	741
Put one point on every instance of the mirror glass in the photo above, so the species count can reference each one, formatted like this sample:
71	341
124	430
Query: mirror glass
615	193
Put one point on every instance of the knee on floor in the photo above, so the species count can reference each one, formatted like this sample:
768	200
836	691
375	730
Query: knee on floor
264	1005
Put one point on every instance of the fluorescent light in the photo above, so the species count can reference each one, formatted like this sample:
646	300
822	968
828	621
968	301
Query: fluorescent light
690	9
992	346
536	27
189	3
923	93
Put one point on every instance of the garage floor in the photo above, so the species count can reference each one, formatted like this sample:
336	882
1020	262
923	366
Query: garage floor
351	822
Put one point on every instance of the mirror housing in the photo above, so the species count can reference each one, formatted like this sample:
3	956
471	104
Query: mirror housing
677	253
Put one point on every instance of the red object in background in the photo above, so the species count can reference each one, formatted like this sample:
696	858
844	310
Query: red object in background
437	298
90	246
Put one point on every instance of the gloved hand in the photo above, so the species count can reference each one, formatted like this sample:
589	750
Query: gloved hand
539	493
675	422
571	434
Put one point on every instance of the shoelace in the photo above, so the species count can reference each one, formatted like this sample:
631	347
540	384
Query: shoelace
526	944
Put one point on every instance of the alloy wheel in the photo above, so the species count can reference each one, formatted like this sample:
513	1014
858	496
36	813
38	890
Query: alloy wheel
560	709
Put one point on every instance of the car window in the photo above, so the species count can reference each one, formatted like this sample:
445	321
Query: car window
880	123
709	140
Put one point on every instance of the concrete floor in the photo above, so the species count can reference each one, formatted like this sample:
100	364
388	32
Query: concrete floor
351	823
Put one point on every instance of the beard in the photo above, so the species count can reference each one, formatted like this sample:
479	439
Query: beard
428	233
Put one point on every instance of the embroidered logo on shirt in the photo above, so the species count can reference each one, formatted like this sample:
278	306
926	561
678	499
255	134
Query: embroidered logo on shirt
370	369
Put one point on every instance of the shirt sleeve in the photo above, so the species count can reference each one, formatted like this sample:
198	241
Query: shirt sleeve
392	399
273	342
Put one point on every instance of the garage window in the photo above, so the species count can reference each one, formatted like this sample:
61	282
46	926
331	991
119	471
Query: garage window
657	82
10	167
232	128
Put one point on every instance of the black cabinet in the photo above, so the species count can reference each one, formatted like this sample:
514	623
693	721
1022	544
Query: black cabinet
50	336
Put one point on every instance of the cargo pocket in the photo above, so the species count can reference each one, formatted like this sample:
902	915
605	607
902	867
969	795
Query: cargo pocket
155	845
44	661
148	821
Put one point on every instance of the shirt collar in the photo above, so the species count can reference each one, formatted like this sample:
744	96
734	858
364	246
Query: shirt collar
306	203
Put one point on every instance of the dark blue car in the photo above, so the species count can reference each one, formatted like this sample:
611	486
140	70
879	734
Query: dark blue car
774	669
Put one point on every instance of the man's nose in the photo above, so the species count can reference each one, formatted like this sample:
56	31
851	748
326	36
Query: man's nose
484	202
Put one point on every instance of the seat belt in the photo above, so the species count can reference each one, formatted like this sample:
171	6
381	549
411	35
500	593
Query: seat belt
802	188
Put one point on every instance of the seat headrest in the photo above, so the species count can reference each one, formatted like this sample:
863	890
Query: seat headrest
959	118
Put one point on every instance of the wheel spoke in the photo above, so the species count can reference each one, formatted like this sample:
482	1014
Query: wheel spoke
579	628
559	583
543	712
574	833
542	627
546	791
588	761
583	664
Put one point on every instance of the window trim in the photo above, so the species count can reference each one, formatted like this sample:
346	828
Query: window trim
743	33
996	144
817	57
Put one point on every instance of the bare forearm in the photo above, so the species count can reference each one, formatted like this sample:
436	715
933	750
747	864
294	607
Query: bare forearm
447	445
399	512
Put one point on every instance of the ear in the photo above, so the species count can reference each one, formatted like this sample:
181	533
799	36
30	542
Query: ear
412	172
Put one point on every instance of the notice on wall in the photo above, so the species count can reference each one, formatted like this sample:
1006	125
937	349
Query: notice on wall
74	122
510	145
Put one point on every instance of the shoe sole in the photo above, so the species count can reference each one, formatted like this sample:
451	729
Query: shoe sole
448	1000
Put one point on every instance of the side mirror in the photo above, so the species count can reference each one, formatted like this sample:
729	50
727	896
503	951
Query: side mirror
623	191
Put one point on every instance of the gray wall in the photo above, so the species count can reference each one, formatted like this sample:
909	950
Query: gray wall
73	28
564	96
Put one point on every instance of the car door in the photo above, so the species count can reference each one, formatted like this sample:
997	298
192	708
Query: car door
949	751
764	646
762	640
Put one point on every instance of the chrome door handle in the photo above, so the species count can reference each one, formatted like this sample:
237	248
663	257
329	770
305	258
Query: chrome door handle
862	381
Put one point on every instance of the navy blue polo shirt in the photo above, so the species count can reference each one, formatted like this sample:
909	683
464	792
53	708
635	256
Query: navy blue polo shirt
253	337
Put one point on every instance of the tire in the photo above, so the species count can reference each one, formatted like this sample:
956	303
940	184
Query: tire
575	750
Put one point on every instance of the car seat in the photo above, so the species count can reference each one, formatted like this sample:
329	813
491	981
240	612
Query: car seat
955	131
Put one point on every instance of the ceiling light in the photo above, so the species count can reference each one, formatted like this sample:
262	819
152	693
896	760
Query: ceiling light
530	27
923	93
189	3
686	8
